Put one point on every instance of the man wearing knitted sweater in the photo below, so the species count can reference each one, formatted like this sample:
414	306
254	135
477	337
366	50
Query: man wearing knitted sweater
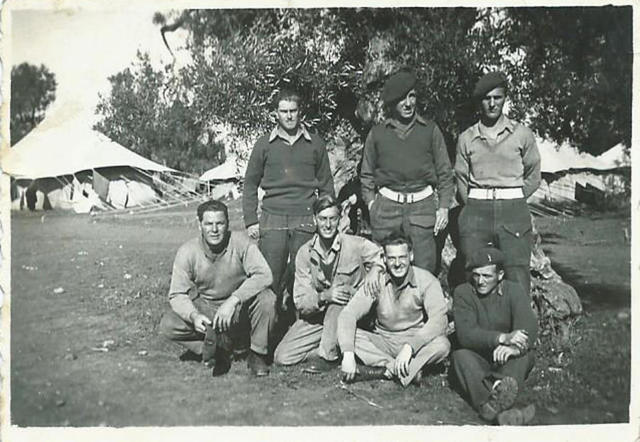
292	167
404	165
411	320
496	328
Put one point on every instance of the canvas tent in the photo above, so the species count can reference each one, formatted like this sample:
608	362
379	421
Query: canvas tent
63	163
222	180
570	176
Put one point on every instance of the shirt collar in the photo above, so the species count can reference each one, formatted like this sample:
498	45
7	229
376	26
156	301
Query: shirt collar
410	279
207	250
396	124
505	124
335	246
278	132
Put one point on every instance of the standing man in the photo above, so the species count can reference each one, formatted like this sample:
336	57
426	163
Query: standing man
497	168
404	162
496	328
329	269
411	321
219	286
292	167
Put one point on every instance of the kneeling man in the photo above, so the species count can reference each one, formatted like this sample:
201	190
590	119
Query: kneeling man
496	328
411	320
329	269
219	285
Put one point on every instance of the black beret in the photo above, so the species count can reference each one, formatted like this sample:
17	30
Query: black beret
397	86
488	82
484	257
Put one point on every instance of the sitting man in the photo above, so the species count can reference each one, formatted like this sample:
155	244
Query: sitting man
411	320
329	269
496	327
219	283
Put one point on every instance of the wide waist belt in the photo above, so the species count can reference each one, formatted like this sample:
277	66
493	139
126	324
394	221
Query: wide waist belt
411	197
496	194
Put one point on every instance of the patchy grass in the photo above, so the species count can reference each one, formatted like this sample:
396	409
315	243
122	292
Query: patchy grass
91	356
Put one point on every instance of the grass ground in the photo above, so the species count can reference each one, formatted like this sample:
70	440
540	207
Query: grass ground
87	295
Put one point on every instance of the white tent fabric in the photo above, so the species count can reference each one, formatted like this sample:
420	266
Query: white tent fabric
554	158
53	150
225	171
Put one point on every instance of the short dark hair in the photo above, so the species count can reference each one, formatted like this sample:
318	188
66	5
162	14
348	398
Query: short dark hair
324	202
213	206
288	94
397	238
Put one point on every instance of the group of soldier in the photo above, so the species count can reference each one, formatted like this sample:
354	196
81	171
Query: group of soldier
374	308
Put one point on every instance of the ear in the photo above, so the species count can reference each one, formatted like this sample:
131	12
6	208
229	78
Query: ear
411	256
500	275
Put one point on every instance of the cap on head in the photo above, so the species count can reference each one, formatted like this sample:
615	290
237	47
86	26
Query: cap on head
488	82
397	86
485	256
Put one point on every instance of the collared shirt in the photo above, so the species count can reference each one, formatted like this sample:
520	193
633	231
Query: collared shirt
416	308
278	131
406	158
290	174
481	319
239	270
511	160
354	256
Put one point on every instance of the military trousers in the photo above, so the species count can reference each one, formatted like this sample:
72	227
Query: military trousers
507	225
254	319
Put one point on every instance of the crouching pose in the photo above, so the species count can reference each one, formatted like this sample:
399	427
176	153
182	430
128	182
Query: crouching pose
410	321
496	327
219	286
329	268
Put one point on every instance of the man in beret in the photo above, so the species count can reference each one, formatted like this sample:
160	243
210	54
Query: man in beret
291	165
497	168
405	163
496	328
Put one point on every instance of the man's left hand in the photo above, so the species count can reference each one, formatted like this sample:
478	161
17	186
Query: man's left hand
224	315
402	361
502	353
442	219
372	281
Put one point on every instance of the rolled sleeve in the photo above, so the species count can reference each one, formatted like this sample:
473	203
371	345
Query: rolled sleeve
258	273
444	172
435	307
369	159
355	309
372	254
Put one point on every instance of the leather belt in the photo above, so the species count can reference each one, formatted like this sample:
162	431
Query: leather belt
496	193
411	197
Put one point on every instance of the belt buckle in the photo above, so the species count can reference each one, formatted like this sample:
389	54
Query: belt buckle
403	198
493	192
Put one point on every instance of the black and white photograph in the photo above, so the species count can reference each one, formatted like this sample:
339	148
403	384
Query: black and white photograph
376	220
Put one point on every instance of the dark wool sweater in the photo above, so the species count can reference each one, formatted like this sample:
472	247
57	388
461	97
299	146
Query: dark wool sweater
289	176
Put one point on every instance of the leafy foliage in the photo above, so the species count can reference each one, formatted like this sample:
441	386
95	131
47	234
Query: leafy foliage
144	113
339	58
33	89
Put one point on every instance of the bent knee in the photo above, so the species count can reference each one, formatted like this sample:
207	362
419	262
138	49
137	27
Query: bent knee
283	356
266	300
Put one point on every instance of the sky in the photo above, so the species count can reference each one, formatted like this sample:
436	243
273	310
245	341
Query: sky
84	47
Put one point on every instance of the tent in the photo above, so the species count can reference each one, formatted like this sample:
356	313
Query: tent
572	176
222	181
63	163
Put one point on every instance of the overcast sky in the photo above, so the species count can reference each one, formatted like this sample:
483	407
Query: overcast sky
83	48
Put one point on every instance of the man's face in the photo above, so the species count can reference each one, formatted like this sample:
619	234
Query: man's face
327	221
486	279
398	259
492	103
288	117
213	227
405	109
